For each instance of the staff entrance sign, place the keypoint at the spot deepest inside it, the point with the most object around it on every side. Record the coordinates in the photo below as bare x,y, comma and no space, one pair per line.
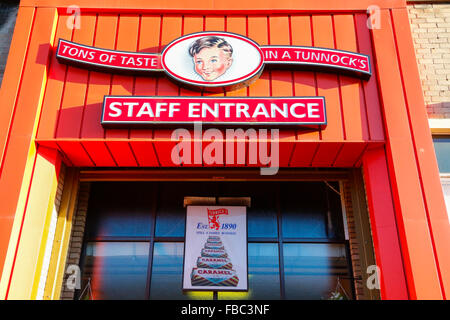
125,110
215,250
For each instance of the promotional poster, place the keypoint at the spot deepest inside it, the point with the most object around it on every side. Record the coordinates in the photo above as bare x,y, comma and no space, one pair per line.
215,255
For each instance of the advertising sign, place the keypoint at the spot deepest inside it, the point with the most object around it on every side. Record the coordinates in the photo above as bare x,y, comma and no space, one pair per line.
215,250
133,110
213,59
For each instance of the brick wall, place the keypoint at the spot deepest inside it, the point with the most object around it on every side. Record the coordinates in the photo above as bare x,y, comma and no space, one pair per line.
76,238
8,13
430,26
60,188
353,243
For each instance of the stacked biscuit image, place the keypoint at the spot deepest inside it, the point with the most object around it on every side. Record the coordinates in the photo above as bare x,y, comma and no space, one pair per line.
214,268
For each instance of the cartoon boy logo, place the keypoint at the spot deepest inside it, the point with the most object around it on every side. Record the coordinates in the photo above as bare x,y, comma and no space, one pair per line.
212,57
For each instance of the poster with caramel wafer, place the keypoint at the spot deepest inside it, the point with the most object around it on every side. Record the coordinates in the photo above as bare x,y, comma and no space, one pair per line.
215,252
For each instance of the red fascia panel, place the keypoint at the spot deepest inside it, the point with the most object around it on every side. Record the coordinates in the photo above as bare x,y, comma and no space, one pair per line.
99,153
223,7
349,152
144,151
326,154
416,241
122,152
424,150
384,227
158,152
303,153
75,152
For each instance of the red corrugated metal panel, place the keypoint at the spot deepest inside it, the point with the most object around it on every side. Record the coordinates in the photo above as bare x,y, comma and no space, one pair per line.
127,40
99,82
369,87
13,72
72,106
55,86
384,227
75,84
424,151
352,102
416,240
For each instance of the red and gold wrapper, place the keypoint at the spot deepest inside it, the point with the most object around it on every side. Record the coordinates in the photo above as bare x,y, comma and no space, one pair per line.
217,245
214,263
213,239
214,253
214,277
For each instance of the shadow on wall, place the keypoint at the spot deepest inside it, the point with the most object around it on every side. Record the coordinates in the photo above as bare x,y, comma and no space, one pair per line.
439,110
8,14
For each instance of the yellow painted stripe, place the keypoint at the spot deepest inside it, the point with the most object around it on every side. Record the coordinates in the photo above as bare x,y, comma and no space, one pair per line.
34,230
62,236
45,235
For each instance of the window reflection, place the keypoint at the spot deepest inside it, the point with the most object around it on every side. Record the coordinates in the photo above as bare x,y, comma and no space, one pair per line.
119,209
170,214
167,272
117,270
262,217
312,271
263,274
442,148
303,210
310,210
262,214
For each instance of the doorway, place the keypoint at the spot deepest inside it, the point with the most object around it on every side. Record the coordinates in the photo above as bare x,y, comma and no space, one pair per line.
134,240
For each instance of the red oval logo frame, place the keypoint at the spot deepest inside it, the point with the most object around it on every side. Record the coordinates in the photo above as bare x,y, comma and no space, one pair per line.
212,84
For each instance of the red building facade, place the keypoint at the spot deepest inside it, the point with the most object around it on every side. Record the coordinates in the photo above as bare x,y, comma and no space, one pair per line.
377,136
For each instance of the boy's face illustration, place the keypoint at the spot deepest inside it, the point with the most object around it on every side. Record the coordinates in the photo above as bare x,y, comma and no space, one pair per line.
211,63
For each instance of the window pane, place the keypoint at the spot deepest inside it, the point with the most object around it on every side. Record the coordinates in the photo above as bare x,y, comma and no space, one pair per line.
303,208
311,210
312,270
442,148
170,221
117,270
446,188
167,274
119,209
335,223
170,214
262,221
262,214
263,274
